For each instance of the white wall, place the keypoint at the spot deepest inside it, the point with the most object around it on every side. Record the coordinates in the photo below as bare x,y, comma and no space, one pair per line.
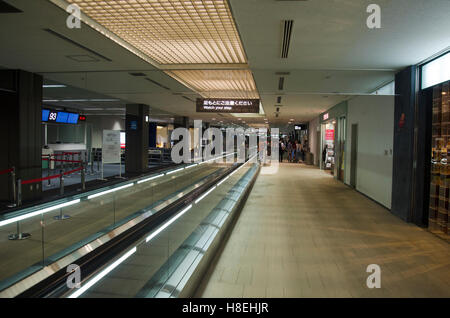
313,126
100,123
375,118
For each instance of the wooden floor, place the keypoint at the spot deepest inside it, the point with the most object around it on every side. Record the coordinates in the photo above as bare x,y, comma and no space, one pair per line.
304,234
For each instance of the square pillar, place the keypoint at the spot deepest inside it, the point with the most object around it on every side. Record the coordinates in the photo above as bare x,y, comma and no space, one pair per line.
20,129
137,137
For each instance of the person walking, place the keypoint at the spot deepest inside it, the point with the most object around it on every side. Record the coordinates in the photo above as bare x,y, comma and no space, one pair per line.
289,150
281,148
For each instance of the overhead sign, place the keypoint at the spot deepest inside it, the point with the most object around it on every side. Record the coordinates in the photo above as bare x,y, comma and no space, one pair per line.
111,146
59,117
326,116
223,105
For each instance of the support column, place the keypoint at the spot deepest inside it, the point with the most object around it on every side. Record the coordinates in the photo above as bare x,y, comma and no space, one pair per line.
20,128
412,148
137,137
152,134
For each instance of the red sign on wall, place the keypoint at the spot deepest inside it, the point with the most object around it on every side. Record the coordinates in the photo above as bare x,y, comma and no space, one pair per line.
329,134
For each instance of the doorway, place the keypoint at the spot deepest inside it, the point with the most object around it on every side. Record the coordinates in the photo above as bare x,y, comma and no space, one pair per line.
354,155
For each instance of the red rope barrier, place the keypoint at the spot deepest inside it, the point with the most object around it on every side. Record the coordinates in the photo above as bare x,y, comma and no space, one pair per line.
72,153
60,160
51,177
6,171
41,179
72,171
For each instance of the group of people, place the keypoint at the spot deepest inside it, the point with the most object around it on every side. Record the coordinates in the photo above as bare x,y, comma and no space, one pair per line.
294,149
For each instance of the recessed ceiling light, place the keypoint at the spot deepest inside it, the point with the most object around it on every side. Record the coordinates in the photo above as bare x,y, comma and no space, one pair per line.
218,83
105,100
54,86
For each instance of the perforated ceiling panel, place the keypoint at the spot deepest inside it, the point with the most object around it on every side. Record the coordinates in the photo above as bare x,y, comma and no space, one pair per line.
219,83
172,31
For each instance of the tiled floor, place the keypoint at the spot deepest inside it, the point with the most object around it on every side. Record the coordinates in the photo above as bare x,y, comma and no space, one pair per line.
304,234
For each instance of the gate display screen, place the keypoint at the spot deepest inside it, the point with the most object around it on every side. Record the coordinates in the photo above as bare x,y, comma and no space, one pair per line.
45,114
72,118
60,117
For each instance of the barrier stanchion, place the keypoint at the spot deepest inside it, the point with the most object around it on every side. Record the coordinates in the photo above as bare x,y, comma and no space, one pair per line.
67,164
85,162
19,235
92,162
61,182
49,183
83,179
61,216
19,192
13,187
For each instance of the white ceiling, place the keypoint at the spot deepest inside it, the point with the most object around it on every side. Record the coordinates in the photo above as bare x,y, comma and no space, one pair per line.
333,55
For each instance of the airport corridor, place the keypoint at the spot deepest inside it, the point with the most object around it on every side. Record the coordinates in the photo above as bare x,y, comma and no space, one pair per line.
302,233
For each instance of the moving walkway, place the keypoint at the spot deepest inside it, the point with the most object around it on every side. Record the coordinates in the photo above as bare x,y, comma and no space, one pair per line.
161,217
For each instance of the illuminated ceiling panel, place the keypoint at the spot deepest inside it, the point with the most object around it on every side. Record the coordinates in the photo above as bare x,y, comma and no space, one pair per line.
218,83
172,31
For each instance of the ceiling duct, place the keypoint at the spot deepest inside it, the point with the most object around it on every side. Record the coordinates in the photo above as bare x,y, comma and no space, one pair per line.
185,97
286,41
157,84
64,38
7,8
281,83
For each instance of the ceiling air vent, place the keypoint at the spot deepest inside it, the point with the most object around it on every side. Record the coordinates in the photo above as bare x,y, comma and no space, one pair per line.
279,100
137,74
7,8
281,83
157,84
185,97
287,33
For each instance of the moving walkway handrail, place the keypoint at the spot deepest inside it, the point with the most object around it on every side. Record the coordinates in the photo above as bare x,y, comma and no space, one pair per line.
90,263
25,213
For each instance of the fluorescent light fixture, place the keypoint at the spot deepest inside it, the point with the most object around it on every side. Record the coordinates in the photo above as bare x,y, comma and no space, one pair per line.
148,179
204,195
436,72
103,273
191,166
223,181
50,100
109,191
104,100
53,86
165,225
75,100
41,211
173,171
